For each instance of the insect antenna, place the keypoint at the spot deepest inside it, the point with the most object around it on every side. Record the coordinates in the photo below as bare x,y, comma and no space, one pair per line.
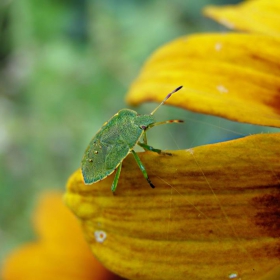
164,100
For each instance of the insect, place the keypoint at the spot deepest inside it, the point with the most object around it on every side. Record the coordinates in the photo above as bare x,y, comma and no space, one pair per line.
115,140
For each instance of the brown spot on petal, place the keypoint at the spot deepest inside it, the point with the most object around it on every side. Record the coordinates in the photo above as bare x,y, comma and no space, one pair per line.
268,214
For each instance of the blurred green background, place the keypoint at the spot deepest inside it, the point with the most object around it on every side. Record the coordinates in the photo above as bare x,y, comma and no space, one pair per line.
65,69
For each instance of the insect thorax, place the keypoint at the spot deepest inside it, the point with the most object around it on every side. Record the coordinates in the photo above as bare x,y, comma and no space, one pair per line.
144,120
131,125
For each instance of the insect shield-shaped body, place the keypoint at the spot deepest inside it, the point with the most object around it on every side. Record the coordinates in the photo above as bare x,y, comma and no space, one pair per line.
115,140
112,144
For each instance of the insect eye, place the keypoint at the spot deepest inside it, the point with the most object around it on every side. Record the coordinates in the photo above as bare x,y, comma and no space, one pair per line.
143,127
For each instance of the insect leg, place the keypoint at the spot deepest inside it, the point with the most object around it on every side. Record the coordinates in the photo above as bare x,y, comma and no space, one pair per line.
145,137
145,128
142,168
116,179
164,122
152,149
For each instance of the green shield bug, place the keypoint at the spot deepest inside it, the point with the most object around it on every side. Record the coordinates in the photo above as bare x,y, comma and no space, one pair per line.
115,140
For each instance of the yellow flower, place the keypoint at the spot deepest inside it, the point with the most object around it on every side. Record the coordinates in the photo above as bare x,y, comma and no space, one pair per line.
214,213
60,253
260,16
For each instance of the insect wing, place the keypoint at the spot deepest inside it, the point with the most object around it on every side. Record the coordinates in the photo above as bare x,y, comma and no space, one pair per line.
105,152
93,167
114,157
116,146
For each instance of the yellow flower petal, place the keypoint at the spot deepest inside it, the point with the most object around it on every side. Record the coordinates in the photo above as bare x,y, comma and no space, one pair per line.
261,16
214,213
61,252
274,274
236,76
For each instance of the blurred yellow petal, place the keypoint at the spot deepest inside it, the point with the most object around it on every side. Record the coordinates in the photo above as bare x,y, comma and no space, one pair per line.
260,16
274,274
236,76
214,213
61,252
